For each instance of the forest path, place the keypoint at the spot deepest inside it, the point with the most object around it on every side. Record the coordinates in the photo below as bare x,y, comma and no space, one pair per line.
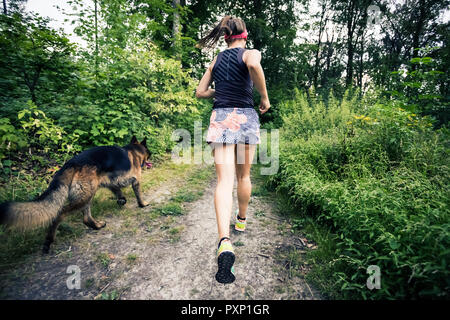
147,256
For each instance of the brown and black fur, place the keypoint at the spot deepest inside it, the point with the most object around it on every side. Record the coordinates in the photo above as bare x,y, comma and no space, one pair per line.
73,187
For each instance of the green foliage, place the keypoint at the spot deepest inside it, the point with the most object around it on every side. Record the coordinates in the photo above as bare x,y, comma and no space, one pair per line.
170,209
104,259
40,130
113,295
128,87
35,61
134,97
11,138
420,89
316,116
377,176
35,131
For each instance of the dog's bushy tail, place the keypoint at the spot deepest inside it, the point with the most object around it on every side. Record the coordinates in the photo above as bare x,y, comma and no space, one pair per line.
40,212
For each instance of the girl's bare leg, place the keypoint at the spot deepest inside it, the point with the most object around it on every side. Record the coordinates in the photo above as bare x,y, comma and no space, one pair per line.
244,159
223,196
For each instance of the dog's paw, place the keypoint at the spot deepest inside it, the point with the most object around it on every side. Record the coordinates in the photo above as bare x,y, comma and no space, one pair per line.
143,204
100,224
121,201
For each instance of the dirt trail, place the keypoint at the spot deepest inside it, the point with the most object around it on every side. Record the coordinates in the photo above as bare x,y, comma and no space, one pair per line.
169,258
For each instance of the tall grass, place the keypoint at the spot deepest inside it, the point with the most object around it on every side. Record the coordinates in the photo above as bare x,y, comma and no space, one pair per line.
377,177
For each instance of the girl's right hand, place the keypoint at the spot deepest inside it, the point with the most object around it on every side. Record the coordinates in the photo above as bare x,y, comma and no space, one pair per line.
264,105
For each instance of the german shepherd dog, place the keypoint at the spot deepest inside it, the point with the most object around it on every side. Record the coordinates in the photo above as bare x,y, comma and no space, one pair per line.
73,187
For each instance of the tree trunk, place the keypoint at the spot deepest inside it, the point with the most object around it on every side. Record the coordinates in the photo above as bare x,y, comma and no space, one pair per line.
258,11
31,84
351,23
96,38
361,66
350,52
418,31
322,25
349,77
176,30
5,11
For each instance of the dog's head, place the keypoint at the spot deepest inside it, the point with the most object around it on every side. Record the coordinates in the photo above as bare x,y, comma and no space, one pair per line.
142,148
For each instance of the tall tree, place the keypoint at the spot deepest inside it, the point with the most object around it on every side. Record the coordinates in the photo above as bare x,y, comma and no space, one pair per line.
272,26
353,15
14,6
321,25
96,36
176,32
405,27
30,51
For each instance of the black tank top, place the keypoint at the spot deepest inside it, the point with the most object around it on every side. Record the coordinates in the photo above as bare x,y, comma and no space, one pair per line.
233,85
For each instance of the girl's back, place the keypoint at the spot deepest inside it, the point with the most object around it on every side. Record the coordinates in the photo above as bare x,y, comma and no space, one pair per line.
232,80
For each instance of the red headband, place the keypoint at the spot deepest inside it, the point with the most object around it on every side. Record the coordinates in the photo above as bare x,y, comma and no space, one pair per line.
243,35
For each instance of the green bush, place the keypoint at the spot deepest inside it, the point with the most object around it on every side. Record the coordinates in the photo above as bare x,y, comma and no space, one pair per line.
34,131
141,92
420,87
11,139
377,177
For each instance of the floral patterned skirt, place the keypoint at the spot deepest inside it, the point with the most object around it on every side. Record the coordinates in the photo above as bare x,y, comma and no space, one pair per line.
234,125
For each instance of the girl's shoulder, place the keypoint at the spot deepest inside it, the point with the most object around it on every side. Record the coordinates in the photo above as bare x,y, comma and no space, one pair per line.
211,66
250,53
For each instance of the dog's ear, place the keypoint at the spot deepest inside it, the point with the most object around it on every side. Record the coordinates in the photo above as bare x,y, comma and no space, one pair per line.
144,142
134,140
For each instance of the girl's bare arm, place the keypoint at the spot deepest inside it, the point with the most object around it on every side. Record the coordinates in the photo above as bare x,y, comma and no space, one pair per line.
252,59
203,89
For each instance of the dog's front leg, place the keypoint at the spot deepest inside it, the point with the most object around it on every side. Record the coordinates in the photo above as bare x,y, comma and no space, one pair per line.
137,191
121,200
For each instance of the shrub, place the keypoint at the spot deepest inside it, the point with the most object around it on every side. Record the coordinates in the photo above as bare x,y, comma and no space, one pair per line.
377,177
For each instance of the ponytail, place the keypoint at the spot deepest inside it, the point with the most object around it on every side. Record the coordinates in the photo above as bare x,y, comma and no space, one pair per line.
227,26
